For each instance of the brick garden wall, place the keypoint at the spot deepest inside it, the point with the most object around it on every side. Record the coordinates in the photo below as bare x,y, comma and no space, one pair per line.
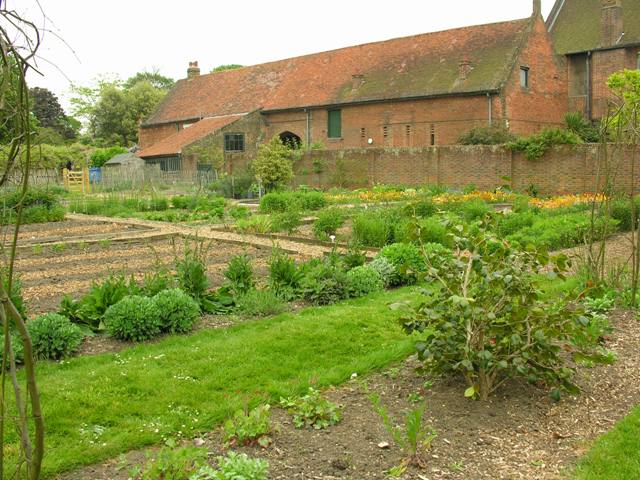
563,170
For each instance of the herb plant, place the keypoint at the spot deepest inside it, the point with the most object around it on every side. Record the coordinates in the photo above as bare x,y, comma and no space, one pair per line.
249,427
312,410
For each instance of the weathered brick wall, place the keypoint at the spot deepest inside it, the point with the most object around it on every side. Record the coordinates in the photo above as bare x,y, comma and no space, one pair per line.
544,103
604,64
565,169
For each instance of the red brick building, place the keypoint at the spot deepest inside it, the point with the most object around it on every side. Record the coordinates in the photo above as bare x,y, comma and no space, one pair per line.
598,38
407,92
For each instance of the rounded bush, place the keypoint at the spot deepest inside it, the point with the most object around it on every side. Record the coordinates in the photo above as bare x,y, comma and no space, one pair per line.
178,311
133,319
324,284
18,348
407,260
385,269
54,337
363,280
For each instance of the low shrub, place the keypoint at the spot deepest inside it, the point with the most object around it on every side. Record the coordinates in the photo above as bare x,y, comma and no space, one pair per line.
54,337
622,212
239,274
488,319
156,280
535,146
354,257
249,427
275,202
328,223
486,136
39,206
312,410
363,280
261,303
312,200
512,222
407,261
133,319
16,345
324,283
385,269
175,463
278,202
423,208
178,311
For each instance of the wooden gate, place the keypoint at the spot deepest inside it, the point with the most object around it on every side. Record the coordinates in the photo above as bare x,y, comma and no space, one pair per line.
77,180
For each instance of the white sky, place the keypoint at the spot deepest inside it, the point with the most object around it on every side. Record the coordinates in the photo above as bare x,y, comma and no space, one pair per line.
126,36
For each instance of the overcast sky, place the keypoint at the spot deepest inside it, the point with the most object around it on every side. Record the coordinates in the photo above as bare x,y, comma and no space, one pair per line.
123,37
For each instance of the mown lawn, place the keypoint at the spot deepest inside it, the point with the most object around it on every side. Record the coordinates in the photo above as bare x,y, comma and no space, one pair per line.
615,455
98,407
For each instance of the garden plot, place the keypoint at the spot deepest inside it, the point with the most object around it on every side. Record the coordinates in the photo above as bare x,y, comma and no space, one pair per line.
49,272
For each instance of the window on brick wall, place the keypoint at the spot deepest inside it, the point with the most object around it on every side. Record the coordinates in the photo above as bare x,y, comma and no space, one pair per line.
524,77
234,142
334,127
578,84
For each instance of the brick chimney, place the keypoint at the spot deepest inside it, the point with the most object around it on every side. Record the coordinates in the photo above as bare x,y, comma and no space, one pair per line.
537,8
464,68
612,27
193,70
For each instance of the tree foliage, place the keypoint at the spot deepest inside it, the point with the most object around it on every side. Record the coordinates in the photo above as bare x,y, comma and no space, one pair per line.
623,125
273,166
112,109
50,114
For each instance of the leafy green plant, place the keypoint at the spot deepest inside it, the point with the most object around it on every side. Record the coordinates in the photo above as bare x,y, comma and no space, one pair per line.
89,310
328,223
239,274
178,311
385,269
174,463
235,467
59,247
354,257
372,230
16,295
287,221
487,319
133,319
156,280
284,275
325,283
219,302
413,437
191,270
407,261
576,123
363,280
312,410
256,224
261,303
239,212
249,427
54,337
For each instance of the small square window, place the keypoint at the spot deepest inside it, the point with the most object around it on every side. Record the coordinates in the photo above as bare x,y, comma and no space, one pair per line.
234,142
524,77
334,127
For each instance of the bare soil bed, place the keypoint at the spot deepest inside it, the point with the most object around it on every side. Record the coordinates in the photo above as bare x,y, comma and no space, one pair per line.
47,272
520,434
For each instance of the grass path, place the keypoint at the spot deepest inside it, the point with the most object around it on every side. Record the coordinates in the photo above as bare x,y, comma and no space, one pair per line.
98,407
616,454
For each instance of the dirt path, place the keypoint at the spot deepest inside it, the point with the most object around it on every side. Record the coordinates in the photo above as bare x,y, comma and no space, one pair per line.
209,233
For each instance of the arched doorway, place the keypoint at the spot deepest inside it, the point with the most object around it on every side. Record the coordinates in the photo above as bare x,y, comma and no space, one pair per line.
291,140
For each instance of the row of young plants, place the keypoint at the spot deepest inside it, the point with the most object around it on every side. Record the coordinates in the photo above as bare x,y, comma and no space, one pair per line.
181,208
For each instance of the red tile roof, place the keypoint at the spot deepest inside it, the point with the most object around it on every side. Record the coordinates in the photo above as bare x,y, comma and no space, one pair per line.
173,145
417,66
